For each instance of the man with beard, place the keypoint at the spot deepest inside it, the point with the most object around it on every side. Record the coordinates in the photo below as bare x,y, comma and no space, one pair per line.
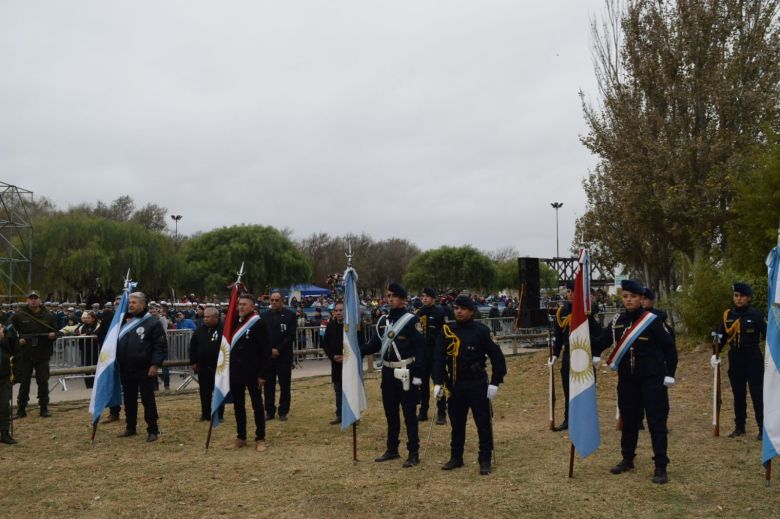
204,351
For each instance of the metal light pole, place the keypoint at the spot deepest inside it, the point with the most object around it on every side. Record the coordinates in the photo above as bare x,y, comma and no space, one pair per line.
176,218
556,206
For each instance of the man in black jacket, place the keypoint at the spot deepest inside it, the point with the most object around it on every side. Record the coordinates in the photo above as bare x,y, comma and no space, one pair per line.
333,344
742,329
8,348
249,369
282,325
204,351
401,345
459,365
431,320
141,349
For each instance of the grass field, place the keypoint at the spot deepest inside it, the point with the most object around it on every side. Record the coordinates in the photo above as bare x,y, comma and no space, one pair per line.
308,469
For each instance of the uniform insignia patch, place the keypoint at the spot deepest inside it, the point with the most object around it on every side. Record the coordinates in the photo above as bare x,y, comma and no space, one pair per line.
419,326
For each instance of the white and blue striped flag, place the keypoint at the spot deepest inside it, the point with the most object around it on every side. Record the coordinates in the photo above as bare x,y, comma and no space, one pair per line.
771,445
583,408
353,394
106,390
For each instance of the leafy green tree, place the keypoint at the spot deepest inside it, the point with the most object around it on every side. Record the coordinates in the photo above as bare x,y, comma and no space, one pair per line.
452,268
208,262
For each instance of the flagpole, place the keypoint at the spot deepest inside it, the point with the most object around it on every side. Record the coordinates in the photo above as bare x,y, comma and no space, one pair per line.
348,254
94,431
571,461
239,275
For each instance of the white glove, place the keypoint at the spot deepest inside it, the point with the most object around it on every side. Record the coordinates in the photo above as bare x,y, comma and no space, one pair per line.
492,392
551,361
668,381
714,361
417,381
437,392
596,361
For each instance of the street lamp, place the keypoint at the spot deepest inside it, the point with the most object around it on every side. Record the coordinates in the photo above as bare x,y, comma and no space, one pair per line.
176,218
556,206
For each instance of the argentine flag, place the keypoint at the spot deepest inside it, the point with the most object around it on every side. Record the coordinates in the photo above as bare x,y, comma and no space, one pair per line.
771,446
583,410
107,391
353,394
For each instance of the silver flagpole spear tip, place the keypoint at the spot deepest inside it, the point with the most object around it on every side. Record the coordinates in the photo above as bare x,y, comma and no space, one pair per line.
349,254
240,273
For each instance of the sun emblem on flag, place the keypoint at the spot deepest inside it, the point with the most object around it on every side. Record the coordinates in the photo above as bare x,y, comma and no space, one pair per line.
580,361
224,358
103,358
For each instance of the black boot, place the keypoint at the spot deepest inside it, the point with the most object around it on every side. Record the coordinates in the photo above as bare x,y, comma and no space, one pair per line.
6,438
20,413
660,476
45,412
564,426
412,460
454,463
484,467
388,455
624,466
423,416
739,431
126,433
441,419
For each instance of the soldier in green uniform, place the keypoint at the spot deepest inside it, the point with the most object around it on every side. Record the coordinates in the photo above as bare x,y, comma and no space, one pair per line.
36,329
8,348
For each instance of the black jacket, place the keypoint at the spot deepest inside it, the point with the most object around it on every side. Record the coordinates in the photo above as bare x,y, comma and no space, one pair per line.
333,341
8,348
145,346
562,329
281,330
409,341
34,328
431,321
474,345
250,357
752,327
204,346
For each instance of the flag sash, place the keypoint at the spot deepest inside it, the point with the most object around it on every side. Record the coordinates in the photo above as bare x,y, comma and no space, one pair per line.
628,338
243,329
132,324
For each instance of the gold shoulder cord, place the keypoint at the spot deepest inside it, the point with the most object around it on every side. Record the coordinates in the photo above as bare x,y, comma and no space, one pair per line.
453,350
732,332
562,324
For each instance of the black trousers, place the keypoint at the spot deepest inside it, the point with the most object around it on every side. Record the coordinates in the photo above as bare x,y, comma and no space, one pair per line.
238,392
23,367
470,394
134,382
393,397
746,368
425,396
206,390
643,391
5,404
565,365
335,378
281,370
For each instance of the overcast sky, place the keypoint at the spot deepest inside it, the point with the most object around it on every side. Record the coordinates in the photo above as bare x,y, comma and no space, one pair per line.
443,122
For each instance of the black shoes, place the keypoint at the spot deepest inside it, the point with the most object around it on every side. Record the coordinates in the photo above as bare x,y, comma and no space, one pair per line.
563,427
454,463
282,417
335,421
737,432
269,417
45,412
624,466
660,476
412,460
441,419
758,436
111,418
20,413
422,417
6,438
152,437
126,433
387,456
484,467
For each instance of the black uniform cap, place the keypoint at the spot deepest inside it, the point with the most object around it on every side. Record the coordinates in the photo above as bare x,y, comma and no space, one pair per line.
633,286
465,302
649,294
397,290
744,289
569,285
430,292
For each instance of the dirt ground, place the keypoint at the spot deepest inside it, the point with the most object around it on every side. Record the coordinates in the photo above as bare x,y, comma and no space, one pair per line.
308,469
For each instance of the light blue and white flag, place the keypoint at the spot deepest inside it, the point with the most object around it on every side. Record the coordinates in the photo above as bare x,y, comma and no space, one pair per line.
353,394
583,409
106,390
771,446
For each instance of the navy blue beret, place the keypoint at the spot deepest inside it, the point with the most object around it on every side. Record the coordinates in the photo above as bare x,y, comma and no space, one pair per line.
649,294
430,292
633,286
744,289
397,290
465,302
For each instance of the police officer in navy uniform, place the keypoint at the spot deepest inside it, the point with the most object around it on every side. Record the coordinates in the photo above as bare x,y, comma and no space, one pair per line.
645,372
140,353
742,329
460,365
431,320
648,302
561,346
282,325
401,343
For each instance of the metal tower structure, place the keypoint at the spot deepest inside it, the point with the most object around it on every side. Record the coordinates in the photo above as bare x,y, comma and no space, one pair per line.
16,236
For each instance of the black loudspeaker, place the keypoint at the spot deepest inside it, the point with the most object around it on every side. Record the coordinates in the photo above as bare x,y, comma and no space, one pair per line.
531,314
